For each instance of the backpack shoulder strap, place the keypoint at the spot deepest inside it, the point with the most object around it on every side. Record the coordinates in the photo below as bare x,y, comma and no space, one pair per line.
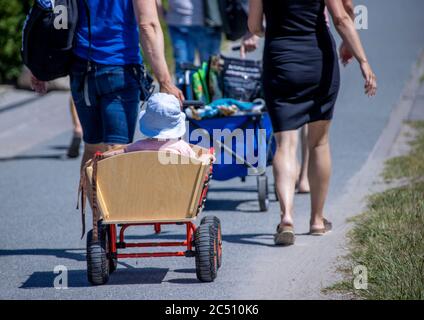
88,13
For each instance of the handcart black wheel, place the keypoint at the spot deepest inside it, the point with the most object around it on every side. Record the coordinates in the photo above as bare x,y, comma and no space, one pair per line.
206,253
98,264
113,260
263,192
216,223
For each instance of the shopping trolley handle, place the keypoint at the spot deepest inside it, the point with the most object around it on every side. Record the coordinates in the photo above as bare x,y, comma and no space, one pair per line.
187,66
193,103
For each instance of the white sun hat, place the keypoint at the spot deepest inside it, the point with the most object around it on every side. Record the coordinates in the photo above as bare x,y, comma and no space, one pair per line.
162,118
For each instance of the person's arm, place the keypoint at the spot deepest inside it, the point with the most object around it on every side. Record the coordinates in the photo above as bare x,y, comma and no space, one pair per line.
153,44
350,8
346,28
256,18
345,53
249,41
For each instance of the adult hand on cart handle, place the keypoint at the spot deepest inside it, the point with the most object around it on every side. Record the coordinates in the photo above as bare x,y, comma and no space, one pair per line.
170,88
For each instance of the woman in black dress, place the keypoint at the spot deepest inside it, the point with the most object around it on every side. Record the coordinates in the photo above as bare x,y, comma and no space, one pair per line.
301,83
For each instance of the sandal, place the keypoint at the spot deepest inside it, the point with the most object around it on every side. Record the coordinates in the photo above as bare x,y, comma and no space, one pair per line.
328,226
284,236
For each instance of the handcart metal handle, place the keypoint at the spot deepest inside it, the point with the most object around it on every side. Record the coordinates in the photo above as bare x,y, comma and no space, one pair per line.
193,103
188,66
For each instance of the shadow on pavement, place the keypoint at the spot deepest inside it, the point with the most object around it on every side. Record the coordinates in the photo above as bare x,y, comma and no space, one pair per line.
252,239
60,156
235,189
192,280
78,278
256,239
73,254
62,147
185,270
232,205
21,103
185,281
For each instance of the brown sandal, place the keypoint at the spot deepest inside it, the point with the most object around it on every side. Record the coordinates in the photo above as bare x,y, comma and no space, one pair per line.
284,236
328,226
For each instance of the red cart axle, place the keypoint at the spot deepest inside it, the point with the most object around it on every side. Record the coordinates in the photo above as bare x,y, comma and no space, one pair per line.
114,245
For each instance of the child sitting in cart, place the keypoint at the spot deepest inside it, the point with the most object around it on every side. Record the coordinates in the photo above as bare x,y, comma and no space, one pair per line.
163,125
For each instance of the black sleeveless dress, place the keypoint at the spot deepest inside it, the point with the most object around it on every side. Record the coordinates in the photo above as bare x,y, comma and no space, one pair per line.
301,76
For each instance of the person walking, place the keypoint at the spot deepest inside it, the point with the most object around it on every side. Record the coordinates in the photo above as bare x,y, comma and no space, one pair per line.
250,43
301,82
74,147
107,76
189,34
345,57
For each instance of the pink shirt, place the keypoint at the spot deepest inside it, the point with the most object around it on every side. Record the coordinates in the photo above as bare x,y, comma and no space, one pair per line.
175,146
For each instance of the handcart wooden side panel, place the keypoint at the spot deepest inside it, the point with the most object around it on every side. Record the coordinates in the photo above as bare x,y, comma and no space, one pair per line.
143,187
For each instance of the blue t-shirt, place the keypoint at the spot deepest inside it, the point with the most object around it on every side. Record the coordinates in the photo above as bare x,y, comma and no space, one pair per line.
115,35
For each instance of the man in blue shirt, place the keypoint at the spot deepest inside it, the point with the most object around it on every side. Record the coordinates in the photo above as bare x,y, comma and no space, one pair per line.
107,76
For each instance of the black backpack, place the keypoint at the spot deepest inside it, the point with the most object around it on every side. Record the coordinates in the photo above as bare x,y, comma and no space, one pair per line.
234,18
46,49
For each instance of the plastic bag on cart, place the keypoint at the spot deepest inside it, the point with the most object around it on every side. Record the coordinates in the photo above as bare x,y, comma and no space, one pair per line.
224,77
241,79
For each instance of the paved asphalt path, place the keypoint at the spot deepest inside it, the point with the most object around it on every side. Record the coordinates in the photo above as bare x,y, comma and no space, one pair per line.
40,228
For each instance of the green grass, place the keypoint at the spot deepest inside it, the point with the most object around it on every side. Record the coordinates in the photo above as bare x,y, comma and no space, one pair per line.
389,237
412,165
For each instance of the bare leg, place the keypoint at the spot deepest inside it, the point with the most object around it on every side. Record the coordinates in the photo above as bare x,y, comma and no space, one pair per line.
75,120
285,173
303,184
74,147
319,169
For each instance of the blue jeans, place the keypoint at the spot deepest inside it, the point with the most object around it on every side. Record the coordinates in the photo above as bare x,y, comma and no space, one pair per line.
107,100
186,40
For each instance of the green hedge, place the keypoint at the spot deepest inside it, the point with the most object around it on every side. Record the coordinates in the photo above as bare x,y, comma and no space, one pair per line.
12,16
